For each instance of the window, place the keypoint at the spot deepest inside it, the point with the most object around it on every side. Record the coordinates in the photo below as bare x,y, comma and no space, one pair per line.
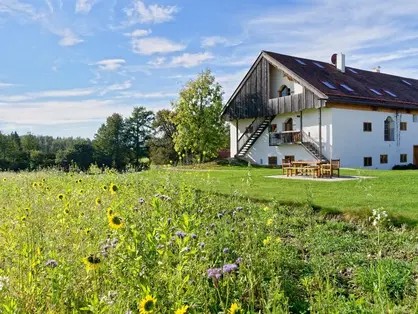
367,126
284,91
272,160
390,93
389,130
404,126
300,61
367,161
288,125
347,87
318,65
289,158
383,159
328,84
404,158
375,91
273,128
406,82
415,118
352,70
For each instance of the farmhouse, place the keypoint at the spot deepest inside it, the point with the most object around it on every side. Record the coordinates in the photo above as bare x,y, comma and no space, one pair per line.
293,108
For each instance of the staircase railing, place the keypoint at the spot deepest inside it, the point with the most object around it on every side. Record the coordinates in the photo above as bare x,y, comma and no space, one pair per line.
247,135
315,144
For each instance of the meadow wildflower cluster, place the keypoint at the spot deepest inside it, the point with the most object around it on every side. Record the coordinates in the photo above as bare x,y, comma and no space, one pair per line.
152,243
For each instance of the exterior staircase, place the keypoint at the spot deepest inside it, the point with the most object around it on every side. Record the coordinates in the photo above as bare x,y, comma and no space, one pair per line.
312,147
247,140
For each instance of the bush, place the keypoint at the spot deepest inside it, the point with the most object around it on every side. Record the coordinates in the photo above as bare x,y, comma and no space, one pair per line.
405,167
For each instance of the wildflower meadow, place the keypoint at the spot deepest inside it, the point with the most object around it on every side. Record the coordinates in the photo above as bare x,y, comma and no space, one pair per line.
153,243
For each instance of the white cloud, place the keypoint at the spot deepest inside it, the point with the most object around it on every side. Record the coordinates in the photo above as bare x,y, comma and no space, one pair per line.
189,60
230,81
15,7
15,98
50,6
151,14
139,33
213,41
152,45
157,61
116,87
68,38
110,64
5,85
58,93
84,6
140,95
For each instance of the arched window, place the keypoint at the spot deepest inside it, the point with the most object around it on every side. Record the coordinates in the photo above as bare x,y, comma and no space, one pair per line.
389,129
288,125
284,91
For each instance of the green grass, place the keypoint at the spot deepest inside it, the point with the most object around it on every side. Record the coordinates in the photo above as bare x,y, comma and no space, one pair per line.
395,191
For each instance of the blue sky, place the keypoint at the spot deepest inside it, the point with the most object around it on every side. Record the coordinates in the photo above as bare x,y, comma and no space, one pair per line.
65,65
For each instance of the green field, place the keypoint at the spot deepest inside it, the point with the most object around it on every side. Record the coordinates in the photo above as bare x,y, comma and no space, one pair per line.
224,240
395,191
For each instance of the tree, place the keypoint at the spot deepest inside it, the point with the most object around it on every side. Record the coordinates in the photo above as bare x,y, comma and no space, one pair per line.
161,145
29,142
199,127
138,129
109,143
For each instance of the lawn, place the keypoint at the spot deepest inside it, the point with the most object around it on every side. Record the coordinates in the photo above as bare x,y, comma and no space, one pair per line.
188,242
395,191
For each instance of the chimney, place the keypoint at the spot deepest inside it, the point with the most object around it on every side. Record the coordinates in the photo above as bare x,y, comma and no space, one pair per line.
376,69
341,62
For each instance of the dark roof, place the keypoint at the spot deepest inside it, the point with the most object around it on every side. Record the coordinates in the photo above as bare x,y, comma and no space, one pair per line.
360,82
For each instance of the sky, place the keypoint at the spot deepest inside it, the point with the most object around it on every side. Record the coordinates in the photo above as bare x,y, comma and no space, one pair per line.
65,65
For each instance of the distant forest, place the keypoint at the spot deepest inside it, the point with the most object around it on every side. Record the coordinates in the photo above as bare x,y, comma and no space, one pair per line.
193,131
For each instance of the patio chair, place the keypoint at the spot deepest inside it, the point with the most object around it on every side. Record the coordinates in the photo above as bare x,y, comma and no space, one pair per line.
326,170
335,166
285,165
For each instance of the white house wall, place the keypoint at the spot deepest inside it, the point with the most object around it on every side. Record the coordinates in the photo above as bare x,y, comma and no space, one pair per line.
232,138
278,79
352,144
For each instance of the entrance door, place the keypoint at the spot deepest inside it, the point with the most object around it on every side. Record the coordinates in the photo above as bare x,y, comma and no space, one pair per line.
416,155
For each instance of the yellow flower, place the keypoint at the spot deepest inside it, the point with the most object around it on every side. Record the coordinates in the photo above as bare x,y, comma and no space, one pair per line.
266,241
109,212
34,184
235,309
60,197
182,310
92,262
266,209
113,188
269,222
147,304
98,201
278,240
104,188
4,179
115,222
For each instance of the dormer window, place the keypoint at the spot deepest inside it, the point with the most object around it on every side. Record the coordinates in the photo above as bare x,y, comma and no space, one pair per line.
300,62
284,91
346,87
328,84
390,93
375,91
406,82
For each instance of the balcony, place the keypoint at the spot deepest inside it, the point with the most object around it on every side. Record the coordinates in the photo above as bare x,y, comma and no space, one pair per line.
285,137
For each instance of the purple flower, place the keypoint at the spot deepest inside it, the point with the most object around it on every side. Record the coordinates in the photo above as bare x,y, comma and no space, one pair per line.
202,245
225,250
181,234
219,215
229,268
212,226
207,233
160,247
239,260
141,201
215,273
239,209
234,213
186,249
51,263
194,236
169,220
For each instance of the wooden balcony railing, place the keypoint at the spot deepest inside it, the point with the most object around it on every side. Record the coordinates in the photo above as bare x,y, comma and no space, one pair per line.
285,137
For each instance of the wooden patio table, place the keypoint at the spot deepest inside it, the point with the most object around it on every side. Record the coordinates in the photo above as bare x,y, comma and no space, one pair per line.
300,165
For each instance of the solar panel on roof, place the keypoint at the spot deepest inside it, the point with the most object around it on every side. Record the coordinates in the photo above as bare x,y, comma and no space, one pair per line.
300,61
318,65
375,91
328,84
407,83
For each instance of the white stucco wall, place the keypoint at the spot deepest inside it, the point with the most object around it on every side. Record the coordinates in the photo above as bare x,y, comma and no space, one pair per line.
277,80
232,138
352,144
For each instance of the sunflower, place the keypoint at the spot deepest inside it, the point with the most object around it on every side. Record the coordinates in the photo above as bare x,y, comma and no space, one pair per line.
109,212
4,179
235,309
66,211
115,222
81,191
182,310
92,262
60,197
104,188
113,188
147,304
35,184
98,201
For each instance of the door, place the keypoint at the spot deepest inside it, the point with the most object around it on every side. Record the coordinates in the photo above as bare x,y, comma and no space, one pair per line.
416,155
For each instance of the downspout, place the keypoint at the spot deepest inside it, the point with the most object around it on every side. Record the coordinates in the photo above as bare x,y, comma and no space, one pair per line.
320,133
236,152
301,126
